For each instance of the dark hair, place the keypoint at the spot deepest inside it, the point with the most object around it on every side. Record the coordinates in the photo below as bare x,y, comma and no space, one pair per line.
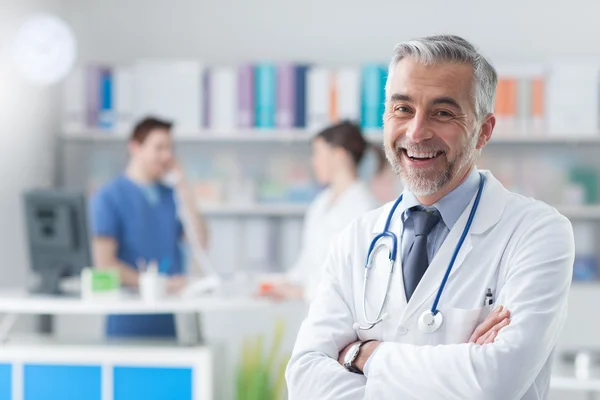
347,136
145,126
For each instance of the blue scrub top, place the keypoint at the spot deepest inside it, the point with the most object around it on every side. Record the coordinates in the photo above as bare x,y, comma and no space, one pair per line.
143,221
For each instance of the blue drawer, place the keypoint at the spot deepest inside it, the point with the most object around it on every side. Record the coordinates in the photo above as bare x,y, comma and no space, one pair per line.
64,382
5,382
152,383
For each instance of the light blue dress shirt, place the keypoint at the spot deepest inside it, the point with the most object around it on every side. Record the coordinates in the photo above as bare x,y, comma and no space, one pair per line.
450,208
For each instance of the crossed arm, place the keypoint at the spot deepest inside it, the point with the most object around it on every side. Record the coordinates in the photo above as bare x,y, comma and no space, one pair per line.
535,291
485,333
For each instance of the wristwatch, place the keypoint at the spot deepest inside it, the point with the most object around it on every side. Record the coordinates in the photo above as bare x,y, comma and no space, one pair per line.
351,355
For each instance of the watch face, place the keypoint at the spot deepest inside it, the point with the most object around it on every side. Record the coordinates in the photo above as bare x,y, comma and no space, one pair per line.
351,354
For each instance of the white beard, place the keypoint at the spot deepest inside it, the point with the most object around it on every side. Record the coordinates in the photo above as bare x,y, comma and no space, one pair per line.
419,180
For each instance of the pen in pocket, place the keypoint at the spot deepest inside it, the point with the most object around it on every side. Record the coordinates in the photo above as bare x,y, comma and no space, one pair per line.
489,298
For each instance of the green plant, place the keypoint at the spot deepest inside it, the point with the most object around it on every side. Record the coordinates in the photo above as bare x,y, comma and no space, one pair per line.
260,377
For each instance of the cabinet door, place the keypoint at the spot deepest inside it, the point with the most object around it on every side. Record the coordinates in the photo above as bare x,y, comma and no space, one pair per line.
5,382
64,382
153,383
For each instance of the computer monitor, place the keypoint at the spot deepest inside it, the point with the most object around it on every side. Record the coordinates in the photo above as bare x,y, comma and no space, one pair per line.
58,235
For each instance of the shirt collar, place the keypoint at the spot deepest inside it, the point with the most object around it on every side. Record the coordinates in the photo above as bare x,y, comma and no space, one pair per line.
450,206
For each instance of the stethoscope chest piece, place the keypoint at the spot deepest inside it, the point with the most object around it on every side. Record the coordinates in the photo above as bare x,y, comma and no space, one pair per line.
429,323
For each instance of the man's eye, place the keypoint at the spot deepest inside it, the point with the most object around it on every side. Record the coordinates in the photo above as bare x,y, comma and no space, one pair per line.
443,114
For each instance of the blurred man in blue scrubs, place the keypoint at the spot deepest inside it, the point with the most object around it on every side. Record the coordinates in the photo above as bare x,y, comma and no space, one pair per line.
136,222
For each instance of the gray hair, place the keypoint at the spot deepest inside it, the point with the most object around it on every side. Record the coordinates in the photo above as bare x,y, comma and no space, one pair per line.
449,48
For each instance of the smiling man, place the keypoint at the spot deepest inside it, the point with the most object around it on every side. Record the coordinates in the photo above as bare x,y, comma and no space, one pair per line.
468,251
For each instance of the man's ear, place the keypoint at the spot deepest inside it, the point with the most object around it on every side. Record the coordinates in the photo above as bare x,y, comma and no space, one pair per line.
485,132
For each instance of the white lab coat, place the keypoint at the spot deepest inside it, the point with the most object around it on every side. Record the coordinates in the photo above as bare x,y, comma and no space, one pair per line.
520,248
325,219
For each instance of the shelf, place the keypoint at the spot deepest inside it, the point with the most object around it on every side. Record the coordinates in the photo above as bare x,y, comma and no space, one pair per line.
262,210
545,140
298,210
210,136
304,136
504,139
580,212
241,136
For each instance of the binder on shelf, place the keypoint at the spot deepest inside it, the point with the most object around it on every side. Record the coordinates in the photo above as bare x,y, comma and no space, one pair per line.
106,112
518,106
74,102
506,106
206,94
538,122
266,95
123,99
318,98
300,100
373,96
348,94
286,96
246,96
572,102
524,117
223,93
334,116
93,94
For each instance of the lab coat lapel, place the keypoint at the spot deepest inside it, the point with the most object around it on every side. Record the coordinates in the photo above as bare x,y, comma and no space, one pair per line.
491,207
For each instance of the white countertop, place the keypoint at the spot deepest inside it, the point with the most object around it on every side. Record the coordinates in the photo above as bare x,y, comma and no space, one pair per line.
564,378
591,384
45,348
19,302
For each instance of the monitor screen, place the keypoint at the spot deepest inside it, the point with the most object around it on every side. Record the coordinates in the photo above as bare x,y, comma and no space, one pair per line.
58,235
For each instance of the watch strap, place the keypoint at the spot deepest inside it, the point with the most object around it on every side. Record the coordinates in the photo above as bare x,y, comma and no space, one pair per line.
352,367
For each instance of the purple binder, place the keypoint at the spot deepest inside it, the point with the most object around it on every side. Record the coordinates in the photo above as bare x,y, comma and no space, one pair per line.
286,97
206,99
92,95
246,96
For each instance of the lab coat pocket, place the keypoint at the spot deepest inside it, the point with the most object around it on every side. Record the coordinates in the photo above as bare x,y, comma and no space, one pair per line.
485,312
461,323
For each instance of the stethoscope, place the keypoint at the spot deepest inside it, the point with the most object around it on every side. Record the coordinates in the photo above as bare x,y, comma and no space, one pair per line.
431,320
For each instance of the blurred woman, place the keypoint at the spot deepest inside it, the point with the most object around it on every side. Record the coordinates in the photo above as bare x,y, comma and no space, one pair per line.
337,153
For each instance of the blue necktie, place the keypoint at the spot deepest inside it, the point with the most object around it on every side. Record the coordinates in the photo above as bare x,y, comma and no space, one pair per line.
417,261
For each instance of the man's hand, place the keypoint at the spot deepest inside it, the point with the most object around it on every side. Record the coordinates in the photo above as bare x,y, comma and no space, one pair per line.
363,355
488,330
176,174
484,334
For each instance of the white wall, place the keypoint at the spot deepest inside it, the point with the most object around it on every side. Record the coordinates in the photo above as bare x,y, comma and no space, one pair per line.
334,32
27,126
